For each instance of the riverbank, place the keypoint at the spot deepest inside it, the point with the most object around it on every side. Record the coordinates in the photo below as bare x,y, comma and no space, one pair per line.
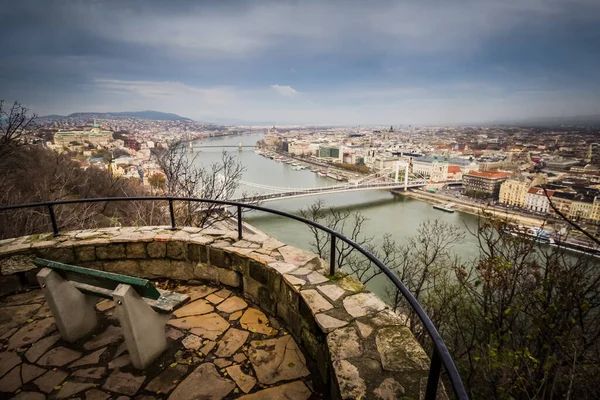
348,175
473,209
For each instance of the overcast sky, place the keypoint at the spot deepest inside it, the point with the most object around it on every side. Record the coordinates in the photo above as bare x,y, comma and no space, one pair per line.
341,62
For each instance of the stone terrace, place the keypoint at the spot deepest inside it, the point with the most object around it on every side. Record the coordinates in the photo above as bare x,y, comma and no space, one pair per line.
219,346
359,348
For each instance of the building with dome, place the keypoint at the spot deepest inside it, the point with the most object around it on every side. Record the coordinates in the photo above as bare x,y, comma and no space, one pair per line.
95,136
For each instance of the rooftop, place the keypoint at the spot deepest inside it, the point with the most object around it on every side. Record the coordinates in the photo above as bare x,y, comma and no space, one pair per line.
540,191
89,133
489,175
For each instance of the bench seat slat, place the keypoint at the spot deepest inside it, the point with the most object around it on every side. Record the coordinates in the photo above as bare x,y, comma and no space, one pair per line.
93,290
166,303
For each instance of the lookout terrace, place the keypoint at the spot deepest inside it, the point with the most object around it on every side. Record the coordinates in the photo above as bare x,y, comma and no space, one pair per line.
151,312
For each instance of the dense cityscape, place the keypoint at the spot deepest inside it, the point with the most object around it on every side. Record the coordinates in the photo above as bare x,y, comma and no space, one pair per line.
301,200
507,166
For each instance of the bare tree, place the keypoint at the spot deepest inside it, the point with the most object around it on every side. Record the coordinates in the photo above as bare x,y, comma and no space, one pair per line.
418,263
424,264
157,182
13,127
350,224
186,177
530,321
36,174
576,226
521,321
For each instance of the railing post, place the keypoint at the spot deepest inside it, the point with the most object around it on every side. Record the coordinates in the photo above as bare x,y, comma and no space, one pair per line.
172,214
239,218
332,256
434,376
53,219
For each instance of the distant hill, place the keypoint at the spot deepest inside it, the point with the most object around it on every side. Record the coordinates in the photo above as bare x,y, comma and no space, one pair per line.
53,116
150,115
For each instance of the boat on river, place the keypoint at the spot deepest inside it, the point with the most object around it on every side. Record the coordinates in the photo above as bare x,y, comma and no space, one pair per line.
538,235
577,246
446,207
542,236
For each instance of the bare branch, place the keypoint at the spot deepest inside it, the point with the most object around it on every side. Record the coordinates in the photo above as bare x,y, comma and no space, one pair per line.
568,220
13,126
186,177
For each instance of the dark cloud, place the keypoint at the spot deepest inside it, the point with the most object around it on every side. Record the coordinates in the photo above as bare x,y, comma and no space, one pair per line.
70,49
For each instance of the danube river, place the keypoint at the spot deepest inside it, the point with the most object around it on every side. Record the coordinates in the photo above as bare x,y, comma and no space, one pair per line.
386,213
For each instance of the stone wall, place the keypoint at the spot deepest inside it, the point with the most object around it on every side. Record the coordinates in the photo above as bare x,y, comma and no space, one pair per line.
361,347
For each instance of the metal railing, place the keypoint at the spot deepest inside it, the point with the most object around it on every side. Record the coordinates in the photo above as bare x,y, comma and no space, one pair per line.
440,355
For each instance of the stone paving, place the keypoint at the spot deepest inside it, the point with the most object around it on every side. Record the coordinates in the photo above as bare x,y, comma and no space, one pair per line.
220,346
360,347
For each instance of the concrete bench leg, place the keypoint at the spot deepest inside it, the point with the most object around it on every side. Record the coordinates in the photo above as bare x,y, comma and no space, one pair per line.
143,328
73,311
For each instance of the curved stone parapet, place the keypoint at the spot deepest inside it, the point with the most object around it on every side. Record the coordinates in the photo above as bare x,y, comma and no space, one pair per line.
362,348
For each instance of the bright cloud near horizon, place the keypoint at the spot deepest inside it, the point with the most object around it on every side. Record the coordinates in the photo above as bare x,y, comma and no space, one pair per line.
309,62
286,91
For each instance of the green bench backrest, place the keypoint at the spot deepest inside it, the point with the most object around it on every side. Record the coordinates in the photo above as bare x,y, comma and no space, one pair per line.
106,280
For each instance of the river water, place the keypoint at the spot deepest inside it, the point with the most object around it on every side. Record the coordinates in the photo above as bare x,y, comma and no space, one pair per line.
386,213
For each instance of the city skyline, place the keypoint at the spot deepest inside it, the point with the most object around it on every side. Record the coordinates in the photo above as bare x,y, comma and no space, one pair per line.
306,63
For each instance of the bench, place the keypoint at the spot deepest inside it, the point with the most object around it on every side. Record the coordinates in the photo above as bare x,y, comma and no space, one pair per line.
143,310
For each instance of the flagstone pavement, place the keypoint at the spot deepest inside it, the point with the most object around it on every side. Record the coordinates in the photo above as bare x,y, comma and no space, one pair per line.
220,346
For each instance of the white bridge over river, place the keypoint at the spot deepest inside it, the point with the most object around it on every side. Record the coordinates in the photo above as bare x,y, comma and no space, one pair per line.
397,177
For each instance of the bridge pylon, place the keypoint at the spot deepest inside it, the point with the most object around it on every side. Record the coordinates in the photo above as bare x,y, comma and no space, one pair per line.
397,173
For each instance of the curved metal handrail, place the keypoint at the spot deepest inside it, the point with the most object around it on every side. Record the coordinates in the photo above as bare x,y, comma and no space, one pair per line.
440,355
